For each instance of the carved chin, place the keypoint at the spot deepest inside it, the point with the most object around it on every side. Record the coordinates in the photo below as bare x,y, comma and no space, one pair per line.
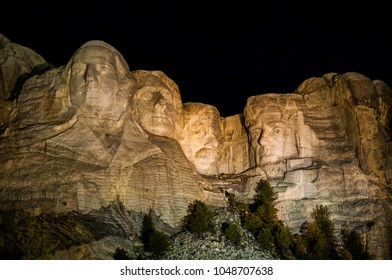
206,161
206,156
161,131
270,159
273,170
159,127
206,168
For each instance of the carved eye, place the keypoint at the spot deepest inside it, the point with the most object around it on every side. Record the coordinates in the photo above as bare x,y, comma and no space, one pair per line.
78,69
104,68
199,133
145,96
277,130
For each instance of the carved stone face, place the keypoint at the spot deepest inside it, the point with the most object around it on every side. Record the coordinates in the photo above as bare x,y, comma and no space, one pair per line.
277,132
156,106
156,113
200,136
94,82
272,141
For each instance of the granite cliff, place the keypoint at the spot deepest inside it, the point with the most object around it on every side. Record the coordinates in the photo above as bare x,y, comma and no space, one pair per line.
88,148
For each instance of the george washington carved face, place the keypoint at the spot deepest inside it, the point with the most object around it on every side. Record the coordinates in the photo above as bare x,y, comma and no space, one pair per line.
97,74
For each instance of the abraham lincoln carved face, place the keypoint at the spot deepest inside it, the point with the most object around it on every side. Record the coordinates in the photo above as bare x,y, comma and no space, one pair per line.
277,132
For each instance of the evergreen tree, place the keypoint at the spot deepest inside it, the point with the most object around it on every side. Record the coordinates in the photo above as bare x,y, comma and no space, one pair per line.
120,254
353,246
147,230
231,200
154,241
231,232
322,217
316,244
253,223
298,247
318,236
263,222
158,243
199,218
283,239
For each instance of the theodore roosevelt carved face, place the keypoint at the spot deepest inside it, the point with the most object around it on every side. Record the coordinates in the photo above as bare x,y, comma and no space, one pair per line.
200,137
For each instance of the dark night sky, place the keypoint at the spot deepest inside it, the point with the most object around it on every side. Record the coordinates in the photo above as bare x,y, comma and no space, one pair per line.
219,54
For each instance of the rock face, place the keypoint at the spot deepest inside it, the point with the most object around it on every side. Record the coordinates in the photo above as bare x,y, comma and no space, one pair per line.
94,140
17,63
328,143
81,149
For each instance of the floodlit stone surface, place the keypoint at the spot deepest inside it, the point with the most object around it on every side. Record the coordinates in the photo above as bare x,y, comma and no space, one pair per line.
95,133
201,137
16,64
156,105
80,148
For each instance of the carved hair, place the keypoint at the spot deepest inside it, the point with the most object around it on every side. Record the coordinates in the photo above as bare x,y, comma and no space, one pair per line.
121,65
274,107
190,109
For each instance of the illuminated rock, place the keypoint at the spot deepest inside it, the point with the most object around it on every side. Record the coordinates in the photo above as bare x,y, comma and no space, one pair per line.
101,142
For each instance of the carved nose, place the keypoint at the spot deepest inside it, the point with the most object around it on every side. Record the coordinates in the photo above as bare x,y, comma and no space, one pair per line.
91,73
212,143
159,101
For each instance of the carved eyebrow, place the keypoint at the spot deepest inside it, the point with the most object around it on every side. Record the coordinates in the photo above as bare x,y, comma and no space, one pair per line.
106,64
276,124
166,94
79,64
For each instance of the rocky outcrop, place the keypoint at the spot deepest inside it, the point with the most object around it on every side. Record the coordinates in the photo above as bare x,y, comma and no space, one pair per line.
17,64
82,155
215,246
93,140
334,152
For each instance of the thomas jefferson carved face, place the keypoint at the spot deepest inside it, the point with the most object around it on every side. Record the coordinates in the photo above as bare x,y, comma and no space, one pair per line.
157,105
200,136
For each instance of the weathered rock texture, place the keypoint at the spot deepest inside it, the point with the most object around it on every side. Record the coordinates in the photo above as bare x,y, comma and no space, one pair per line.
334,151
63,154
17,63
71,145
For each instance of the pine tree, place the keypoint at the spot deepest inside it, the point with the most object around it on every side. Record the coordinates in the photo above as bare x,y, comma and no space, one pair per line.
154,241
353,246
318,236
262,220
199,218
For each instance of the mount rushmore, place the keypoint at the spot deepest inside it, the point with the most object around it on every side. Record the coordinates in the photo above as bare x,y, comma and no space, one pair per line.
94,133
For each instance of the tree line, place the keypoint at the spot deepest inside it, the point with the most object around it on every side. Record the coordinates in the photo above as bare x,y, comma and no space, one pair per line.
316,239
